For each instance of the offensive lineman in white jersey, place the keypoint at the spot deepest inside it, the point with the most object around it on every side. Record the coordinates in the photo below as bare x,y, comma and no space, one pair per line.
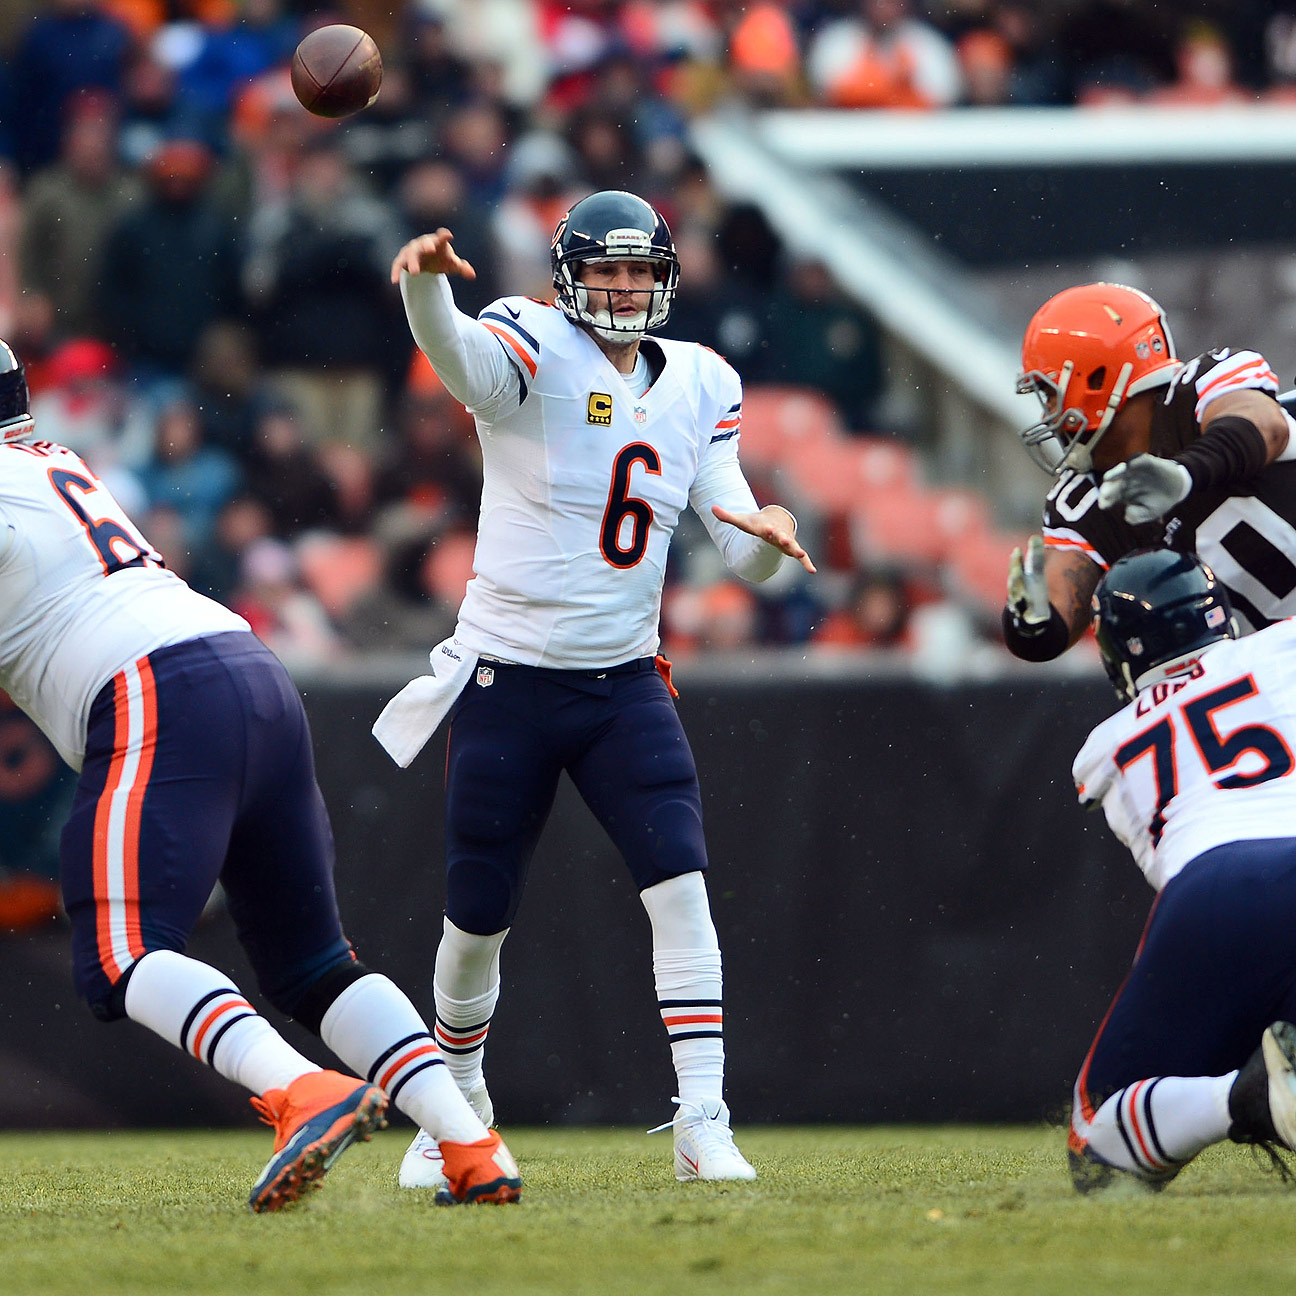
195,767
594,439
1195,776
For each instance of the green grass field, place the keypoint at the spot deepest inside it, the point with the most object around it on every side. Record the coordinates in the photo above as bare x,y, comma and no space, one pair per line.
876,1210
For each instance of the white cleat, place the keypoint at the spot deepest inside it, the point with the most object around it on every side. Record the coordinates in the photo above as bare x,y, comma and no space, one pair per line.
1279,1046
704,1144
423,1166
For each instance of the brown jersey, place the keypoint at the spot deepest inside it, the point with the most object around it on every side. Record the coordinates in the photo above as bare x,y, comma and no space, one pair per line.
1246,532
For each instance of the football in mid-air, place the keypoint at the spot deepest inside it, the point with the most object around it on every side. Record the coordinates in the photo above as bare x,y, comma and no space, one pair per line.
336,71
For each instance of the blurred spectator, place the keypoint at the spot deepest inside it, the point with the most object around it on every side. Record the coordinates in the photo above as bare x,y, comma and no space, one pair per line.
750,249
986,63
475,139
391,135
720,312
542,185
194,479
721,617
819,337
609,155
286,477
413,607
883,56
11,210
214,57
499,38
170,265
325,313
1115,52
69,208
72,46
876,614
433,468
149,113
214,570
283,614
764,57
431,194
229,388
1203,71
83,403
624,89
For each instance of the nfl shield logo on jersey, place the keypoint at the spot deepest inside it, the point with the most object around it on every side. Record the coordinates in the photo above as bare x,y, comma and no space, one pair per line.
485,676
640,414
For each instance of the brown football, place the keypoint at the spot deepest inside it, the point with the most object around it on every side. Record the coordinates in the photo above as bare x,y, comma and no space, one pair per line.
336,71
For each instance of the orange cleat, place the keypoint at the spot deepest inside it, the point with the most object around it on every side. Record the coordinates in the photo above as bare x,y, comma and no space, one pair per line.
479,1172
315,1120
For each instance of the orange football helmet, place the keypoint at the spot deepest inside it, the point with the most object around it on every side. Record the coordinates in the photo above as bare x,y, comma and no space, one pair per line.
1086,351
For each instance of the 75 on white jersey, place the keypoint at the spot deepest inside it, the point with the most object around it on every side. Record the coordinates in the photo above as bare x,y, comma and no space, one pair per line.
1188,751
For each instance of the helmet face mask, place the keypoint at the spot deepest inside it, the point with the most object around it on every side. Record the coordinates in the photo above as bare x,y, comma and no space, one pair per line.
1153,611
15,404
613,226
1086,351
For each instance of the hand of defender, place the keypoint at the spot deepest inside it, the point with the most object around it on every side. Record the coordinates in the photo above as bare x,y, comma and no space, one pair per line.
1146,486
774,525
431,254
1028,598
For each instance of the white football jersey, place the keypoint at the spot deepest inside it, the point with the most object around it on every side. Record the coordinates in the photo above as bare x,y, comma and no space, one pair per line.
583,487
1203,758
82,593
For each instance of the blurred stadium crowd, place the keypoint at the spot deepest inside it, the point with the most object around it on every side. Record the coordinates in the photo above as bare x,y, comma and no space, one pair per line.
195,272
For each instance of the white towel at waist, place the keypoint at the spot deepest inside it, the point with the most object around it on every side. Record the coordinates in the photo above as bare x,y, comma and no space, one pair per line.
413,715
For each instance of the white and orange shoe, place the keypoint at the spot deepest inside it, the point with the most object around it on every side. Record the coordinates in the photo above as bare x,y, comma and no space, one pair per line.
315,1120
479,1172
422,1165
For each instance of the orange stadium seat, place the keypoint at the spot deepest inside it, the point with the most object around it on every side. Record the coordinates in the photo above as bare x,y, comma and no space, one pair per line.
338,569
899,526
978,567
778,422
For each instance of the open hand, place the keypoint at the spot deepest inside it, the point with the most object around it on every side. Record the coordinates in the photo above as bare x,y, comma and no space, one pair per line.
774,525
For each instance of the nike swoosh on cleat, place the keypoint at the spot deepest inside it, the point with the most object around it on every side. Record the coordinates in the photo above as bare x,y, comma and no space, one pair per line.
688,1161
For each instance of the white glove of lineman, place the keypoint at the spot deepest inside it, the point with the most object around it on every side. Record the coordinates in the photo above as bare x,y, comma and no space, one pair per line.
1148,487
1028,598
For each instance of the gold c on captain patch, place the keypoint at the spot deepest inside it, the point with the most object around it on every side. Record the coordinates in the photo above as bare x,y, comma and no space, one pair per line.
599,409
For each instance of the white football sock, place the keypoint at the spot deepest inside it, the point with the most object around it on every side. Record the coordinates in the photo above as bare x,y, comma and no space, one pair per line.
375,1030
466,989
1157,1125
204,1013
689,980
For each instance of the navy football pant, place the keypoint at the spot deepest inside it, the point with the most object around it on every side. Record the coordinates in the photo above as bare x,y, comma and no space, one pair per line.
617,735
1216,965
199,769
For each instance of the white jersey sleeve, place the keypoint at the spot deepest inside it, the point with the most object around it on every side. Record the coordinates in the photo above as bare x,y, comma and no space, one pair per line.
82,592
1202,759
480,364
720,481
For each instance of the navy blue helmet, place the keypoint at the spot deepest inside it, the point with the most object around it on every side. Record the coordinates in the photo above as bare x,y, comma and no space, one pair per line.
613,225
1154,606
15,404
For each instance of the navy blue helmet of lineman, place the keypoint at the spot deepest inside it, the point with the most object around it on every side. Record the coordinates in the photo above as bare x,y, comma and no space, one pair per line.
613,225
15,405
1153,607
